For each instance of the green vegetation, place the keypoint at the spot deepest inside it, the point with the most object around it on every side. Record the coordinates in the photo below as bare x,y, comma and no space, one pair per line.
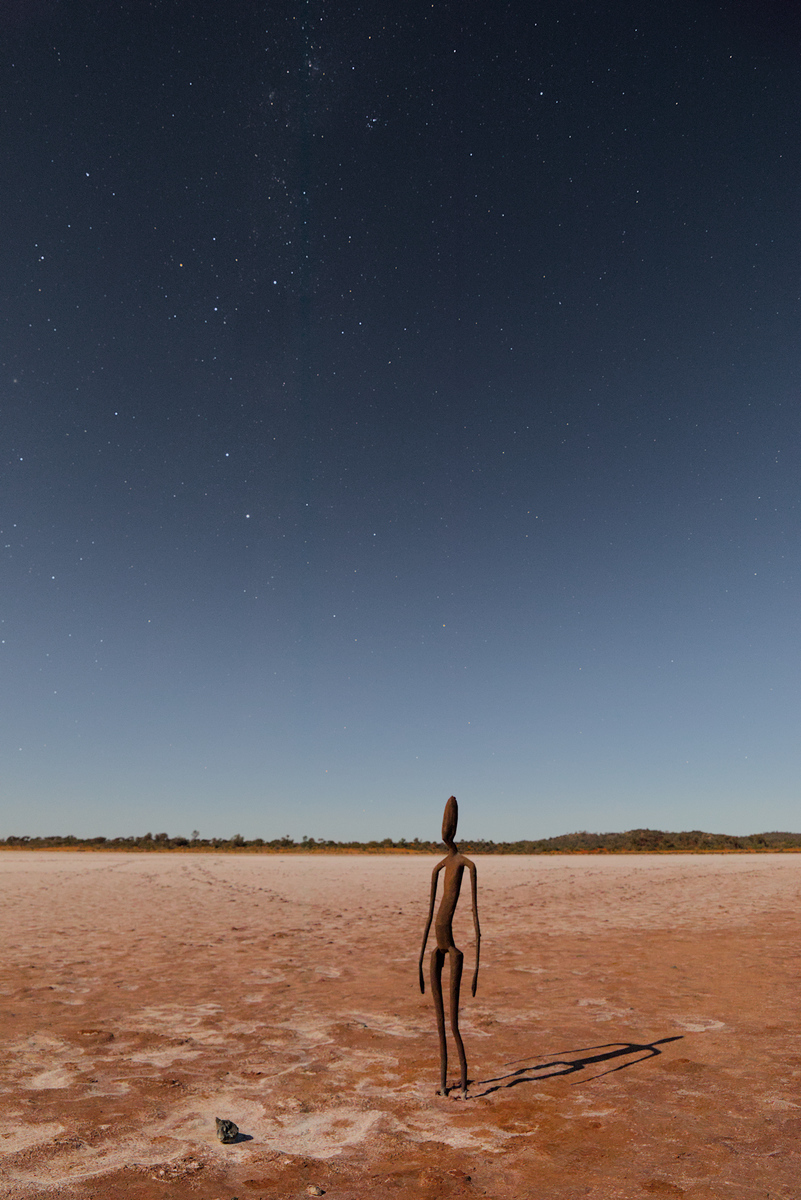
635,841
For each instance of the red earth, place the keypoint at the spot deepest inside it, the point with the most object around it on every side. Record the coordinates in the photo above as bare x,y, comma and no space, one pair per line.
635,1032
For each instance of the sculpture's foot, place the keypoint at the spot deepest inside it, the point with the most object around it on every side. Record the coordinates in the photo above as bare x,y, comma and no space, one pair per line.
441,1091
458,1094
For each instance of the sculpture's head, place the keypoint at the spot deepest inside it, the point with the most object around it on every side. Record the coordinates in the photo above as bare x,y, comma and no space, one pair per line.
449,821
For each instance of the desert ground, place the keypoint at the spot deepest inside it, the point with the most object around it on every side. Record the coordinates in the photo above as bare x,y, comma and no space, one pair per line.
635,1031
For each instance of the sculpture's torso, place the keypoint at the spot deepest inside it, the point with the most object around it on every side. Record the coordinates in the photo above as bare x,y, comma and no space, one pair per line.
443,926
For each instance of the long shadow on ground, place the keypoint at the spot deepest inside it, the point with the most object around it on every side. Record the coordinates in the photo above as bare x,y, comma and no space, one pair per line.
534,1072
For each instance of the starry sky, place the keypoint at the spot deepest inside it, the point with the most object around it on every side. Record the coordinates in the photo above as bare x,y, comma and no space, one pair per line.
399,400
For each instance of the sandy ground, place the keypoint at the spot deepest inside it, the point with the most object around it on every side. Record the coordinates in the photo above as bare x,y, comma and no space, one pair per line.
635,1032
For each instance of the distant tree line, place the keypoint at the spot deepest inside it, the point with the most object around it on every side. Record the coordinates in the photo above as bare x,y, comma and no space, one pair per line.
653,841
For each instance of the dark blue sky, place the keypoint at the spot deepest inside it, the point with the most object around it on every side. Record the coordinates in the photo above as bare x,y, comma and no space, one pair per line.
396,404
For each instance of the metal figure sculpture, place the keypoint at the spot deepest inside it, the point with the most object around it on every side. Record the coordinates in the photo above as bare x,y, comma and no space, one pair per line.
454,864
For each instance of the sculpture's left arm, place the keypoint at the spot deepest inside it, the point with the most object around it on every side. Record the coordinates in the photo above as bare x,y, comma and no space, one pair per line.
476,926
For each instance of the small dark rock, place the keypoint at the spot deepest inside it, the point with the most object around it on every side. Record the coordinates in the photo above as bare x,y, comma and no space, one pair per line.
227,1132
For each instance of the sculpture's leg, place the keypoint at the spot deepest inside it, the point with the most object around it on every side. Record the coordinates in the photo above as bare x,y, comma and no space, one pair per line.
457,961
437,959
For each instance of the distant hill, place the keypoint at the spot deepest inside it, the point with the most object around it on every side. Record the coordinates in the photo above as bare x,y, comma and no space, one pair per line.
634,841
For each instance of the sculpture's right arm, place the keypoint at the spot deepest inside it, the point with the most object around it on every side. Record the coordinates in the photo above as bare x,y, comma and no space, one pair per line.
436,872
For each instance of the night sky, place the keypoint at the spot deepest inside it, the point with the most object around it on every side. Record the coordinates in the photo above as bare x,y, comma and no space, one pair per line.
399,400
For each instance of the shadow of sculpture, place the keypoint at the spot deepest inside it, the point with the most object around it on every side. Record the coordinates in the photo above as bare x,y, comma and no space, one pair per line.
535,1072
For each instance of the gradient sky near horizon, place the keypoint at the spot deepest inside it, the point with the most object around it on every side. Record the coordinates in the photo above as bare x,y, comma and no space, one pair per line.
399,401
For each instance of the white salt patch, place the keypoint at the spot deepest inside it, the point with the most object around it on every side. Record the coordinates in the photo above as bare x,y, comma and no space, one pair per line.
57,1078
23,1136
433,1126
323,1135
163,1058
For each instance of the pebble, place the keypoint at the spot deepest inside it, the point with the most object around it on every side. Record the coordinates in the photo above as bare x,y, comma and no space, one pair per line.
314,1190
227,1132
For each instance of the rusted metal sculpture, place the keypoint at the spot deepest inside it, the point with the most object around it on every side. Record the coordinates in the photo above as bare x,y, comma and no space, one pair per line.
454,864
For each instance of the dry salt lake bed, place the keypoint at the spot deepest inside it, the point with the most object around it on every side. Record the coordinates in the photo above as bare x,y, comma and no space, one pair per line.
636,1031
